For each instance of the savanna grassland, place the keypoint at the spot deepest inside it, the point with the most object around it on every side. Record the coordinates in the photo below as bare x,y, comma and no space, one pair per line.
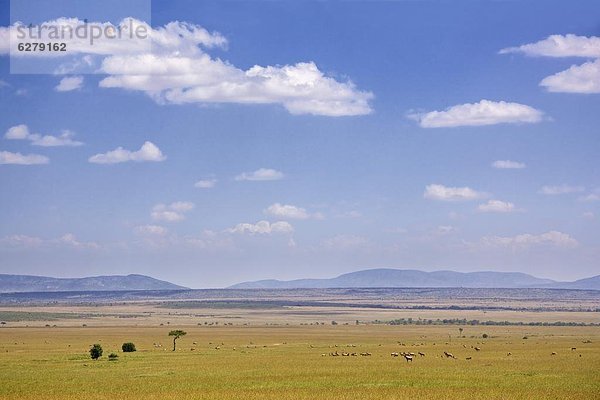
283,352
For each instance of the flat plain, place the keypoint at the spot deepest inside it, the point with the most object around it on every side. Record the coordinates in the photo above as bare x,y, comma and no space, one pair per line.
268,349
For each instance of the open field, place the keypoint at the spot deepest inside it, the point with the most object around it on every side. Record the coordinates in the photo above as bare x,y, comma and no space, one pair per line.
268,349
288,363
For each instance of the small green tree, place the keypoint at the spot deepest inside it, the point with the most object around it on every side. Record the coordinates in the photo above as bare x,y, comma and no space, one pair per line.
485,336
176,335
96,351
460,331
128,347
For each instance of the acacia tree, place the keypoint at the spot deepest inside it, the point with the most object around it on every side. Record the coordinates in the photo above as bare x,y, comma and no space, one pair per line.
176,335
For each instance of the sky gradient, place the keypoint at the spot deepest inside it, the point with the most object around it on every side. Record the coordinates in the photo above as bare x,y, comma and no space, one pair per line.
307,139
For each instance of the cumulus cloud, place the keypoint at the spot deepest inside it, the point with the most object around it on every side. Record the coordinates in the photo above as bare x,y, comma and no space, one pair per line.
148,152
6,157
69,83
344,242
444,193
262,227
262,174
151,230
569,45
485,112
507,164
584,78
70,240
173,212
552,238
206,183
173,66
287,211
561,189
497,206
21,132
67,240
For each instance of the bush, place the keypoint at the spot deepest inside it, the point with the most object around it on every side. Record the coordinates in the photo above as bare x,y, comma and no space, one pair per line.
128,347
485,336
112,357
96,351
333,323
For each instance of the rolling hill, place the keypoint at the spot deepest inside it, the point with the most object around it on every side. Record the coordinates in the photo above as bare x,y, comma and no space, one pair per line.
30,283
415,278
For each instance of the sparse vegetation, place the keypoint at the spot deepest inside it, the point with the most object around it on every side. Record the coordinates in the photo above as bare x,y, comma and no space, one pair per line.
128,347
96,351
113,357
176,335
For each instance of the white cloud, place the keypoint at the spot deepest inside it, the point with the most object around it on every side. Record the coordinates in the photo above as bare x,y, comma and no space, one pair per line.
590,197
69,83
262,174
262,227
345,242
151,230
569,45
444,230
206,183
444,193
174,67
70,240
561,189
497,206
287,211
173,212
21,241
583,78
588,215
6,157
148,152
67,240
485,112
507,164
526,240
21,132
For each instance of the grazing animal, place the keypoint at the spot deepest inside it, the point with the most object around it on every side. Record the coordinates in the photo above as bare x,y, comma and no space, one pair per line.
468,358
553,353
573,348
509,354
449,355
422,354
477,349
394,354
408,358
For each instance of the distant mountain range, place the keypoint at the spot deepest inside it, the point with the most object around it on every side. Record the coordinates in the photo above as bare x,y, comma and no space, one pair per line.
28,283
410,278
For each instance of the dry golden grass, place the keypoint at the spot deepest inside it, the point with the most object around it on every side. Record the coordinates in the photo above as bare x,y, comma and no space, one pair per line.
286,362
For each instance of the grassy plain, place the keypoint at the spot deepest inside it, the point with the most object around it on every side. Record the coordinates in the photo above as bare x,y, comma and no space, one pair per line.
292,361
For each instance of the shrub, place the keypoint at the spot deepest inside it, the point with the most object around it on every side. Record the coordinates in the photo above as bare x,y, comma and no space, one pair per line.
96,351
333,323
112,357
128,347
485,336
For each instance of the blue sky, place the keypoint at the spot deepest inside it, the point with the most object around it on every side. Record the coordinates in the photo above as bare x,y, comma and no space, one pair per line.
366,138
